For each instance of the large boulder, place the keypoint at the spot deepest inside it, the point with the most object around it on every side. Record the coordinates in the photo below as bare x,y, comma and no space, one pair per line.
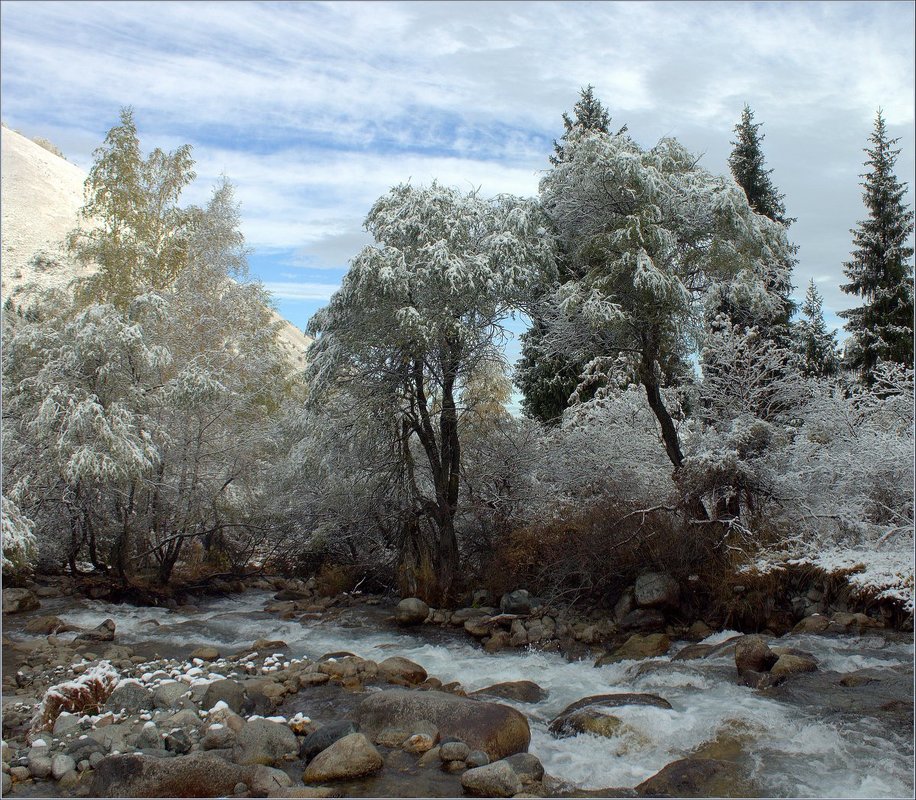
752,653
350,757
104,632
698,777
263,741
657,590
411,611
493,780
517,602
790,664
325,736
643,619
402,670
638,647
520,691
232,693
130,696
194,775
588,716
47,625
16,601
496,729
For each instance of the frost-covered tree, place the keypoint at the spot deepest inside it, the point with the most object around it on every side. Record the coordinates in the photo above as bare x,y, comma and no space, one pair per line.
650,235
18,542
417,315
816,345
880,270
547,381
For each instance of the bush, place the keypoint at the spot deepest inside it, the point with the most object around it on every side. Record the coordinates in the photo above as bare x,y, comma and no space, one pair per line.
84,695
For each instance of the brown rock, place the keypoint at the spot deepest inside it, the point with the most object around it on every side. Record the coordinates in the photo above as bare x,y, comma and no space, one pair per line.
520,691
350,757
638,646
399,667
753,653
788,664
698,777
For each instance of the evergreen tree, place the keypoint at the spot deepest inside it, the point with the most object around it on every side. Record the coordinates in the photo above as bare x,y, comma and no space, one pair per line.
879,270
546,380
815,344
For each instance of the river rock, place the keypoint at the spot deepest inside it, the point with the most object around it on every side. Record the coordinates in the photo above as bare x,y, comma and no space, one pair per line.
527,766
350,757
217,736
229,691
493,780
843,621
453,751
643,619
602,701
325,736
178,741
624,605
398,668
131,696
520,691
149,738
693,651
65,723
499,640
15,601
753,654
478,627
816,623
637,647
205,653
104,632
267,782
657,590
517,602
194,775
61,764
411,611
476,758
788,664
168,694
697,777
7,784
587,720
40,766
497,729
47,625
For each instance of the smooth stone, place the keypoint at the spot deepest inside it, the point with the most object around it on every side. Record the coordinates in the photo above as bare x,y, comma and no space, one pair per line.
527,766
411,611
492,780
477,758
698,777
453,751
520,691
657,590
350,757
325,736
60,764
401,668
752,653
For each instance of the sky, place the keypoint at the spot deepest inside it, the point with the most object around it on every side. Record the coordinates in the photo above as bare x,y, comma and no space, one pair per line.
314,110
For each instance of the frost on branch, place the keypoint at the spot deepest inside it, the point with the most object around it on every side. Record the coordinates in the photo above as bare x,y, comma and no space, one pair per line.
19,545
85,694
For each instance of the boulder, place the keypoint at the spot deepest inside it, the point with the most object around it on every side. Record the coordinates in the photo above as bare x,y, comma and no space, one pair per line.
263,741
402,669
693,651
47,625
643,619
624,605
476,758
816,623
350,757
589,715
517,602
520,691
527,766
411,611
789,664
325,736
15,601
205,653
499,640
194,775
178,741
698,777
149,738
496,729
638,647
752,653
104,632
493,780
478,627
131,696
266,782
657,590
614,701
453,751
168,694
230,692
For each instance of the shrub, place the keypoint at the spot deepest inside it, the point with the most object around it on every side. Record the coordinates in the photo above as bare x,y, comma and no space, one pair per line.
84,695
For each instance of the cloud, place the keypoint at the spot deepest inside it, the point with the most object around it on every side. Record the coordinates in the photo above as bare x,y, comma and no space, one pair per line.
294,290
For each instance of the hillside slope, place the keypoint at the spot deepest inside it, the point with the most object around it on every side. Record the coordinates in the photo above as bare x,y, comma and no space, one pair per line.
40,200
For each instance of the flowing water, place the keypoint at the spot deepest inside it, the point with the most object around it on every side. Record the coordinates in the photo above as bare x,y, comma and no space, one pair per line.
812,737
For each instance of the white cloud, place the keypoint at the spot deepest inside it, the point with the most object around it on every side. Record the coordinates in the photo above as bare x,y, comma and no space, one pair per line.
296,290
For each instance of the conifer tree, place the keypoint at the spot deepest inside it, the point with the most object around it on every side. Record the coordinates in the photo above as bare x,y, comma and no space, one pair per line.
816,345
880,271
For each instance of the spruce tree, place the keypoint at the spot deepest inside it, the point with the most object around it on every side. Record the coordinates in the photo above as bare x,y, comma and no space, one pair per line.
816,345
879,271
547,381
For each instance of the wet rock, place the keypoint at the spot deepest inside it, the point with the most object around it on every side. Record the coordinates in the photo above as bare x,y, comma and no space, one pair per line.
411,611
61,764
788,664
697,777
657,590
453,750
205,653
527,766
478,627
517,602
47,625
325,736
587,720
268,646
131,696
699,630
429,757
842,622
229,691
476,758
816,623
638,647
104,632
693,651
499,640
595,704
643,619
350,757
402,669
307,679
497,729
754,679
753,654
15,601
493,780
520,691
194,775
422,738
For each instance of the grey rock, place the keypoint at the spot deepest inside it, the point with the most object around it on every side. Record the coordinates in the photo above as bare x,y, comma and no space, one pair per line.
517,602
105,632
40,766
61,764
168,694
520,691
350,757
453,751
65,723
527,766
477,758
643,619
325,736
267,781
752,653
15,601
217,737
411,611
657,590
149,738
7,784
131,696
262,741
493,780
230,692
178,741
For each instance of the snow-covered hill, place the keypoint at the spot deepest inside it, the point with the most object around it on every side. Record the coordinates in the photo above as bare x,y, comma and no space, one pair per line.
40,201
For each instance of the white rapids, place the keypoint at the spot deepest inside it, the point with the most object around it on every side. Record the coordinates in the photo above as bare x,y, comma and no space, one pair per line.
795,751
